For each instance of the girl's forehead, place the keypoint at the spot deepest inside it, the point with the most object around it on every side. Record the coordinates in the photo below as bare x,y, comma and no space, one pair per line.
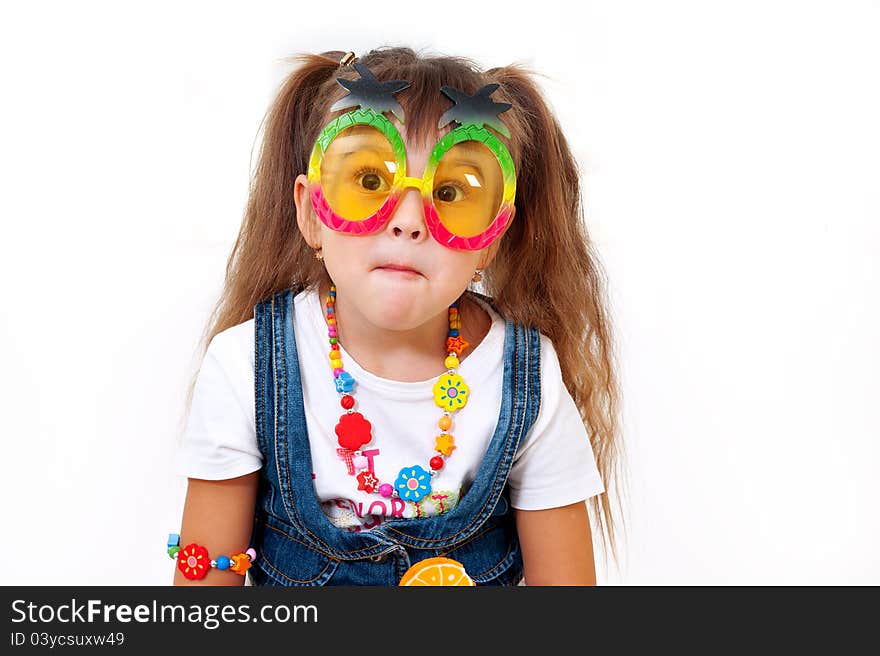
432,138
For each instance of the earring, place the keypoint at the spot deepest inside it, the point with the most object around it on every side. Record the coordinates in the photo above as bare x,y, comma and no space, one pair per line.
477,276
318,254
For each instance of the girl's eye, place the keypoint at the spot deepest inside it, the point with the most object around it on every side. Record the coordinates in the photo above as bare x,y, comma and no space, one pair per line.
449,193
369,180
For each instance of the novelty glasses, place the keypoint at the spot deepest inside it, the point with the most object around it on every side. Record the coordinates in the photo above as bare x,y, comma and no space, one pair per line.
358,172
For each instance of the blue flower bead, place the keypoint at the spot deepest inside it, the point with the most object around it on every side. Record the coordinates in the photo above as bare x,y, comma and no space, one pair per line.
413,484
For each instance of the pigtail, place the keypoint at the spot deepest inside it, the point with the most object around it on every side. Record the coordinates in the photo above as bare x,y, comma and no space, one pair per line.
548,274
267,256
270,252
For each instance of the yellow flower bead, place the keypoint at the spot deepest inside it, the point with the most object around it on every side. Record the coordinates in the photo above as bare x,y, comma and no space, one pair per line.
451,362
445,422
450,392
336,364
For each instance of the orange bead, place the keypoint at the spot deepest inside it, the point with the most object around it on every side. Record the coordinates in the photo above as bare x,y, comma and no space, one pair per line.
240,563
445,422
335,354
331,322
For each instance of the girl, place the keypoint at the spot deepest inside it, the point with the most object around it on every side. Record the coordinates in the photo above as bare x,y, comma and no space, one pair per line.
362,416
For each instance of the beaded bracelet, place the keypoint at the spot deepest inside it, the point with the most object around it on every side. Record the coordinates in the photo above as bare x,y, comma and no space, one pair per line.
194,563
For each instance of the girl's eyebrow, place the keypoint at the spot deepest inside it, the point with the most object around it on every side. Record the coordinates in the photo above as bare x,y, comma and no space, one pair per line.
465,162
361,150
355,148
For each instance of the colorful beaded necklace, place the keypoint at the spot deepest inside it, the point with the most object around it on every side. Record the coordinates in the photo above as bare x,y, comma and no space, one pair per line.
354,432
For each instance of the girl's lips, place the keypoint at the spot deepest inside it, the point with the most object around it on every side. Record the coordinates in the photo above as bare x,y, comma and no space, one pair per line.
397,269
407,273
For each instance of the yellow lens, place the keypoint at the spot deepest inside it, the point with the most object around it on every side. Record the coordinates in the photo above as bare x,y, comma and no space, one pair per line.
357,172
468,188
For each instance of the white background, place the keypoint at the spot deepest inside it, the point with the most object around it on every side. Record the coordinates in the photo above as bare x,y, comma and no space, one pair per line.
731,159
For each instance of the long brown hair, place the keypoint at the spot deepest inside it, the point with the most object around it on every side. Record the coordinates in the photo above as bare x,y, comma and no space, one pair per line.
546,272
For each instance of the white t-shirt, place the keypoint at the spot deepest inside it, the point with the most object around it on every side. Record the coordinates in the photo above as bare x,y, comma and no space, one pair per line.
554,465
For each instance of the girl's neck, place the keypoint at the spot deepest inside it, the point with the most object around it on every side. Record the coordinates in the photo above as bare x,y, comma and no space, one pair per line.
407,355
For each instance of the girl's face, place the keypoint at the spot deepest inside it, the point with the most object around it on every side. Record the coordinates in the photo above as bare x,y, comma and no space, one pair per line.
393,300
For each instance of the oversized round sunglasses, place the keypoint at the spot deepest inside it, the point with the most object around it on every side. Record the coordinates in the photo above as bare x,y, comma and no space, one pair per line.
358,166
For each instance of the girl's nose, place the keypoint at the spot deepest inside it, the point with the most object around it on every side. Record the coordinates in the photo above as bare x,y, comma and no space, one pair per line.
408,219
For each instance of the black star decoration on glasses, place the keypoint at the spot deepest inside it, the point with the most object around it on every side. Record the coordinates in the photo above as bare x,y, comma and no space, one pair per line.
370,93
478,108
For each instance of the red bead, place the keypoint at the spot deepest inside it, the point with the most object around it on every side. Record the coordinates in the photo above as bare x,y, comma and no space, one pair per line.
347,402
436,462
353,431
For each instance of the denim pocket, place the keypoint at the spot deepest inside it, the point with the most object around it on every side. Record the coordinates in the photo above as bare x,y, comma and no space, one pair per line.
284,559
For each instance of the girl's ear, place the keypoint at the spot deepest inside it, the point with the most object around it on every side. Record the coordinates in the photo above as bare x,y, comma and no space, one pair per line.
304,215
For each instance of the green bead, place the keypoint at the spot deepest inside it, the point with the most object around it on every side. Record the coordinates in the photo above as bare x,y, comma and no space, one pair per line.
172,552
334,340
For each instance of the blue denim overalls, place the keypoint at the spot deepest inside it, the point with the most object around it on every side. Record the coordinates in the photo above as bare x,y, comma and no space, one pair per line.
295,541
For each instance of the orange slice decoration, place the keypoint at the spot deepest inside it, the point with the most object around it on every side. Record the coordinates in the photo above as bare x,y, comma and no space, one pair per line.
436,571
